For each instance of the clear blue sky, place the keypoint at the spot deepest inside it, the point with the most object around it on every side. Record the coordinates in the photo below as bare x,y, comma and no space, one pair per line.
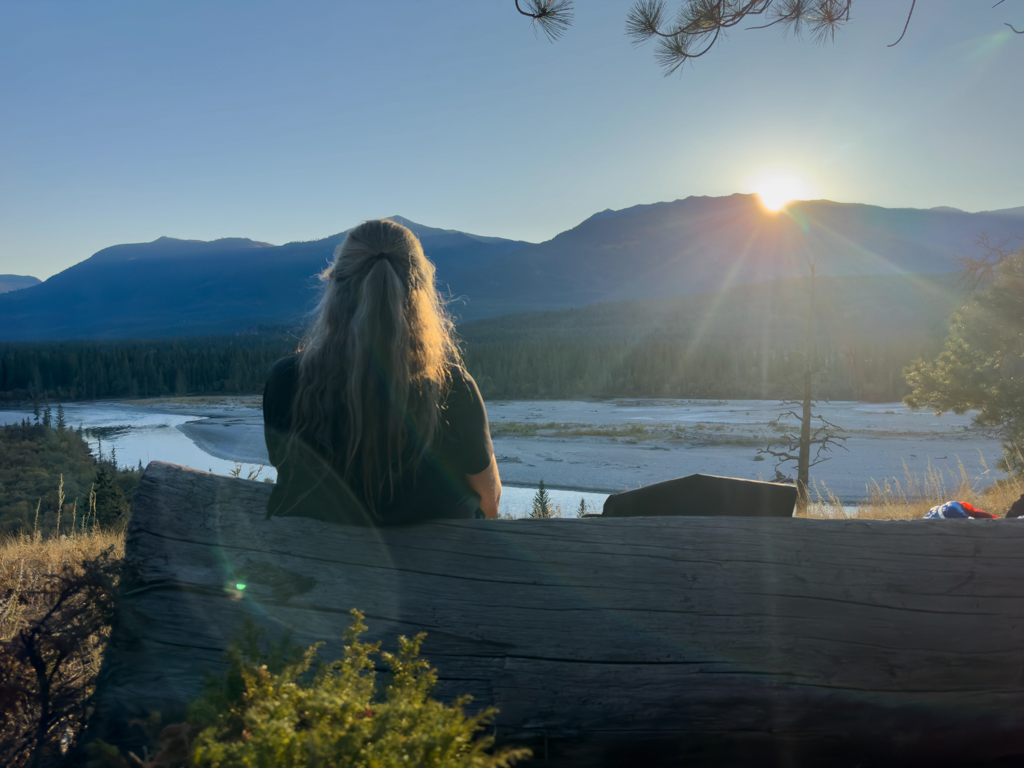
127,120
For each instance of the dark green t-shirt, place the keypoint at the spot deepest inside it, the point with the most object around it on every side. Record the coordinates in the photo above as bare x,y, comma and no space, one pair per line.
308,486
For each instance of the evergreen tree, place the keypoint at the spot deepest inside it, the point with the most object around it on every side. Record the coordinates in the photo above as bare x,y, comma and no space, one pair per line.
61,421
47,415
583,509
35,409
180,383
111,504
541,504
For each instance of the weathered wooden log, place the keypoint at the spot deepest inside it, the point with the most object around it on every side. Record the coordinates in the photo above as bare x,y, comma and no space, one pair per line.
636,641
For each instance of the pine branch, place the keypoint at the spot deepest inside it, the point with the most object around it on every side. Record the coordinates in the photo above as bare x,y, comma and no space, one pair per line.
700,24
552,16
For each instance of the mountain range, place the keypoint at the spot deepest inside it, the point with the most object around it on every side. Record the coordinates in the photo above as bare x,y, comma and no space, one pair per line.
699,245
17,282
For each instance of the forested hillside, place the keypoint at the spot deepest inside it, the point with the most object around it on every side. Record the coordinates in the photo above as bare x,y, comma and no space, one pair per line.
89,370
742,343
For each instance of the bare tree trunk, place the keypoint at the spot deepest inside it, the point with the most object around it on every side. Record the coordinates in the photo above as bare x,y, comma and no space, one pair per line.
803,466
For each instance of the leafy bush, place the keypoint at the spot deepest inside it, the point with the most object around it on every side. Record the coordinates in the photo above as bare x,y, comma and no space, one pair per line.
287,708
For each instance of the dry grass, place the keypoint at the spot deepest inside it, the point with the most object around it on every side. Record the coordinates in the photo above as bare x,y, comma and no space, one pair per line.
55,611
28,564
912,497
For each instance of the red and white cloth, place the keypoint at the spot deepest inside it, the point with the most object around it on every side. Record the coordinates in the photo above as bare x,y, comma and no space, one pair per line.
956,509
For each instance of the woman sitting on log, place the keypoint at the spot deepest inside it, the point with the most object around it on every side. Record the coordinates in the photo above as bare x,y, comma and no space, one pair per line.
375,420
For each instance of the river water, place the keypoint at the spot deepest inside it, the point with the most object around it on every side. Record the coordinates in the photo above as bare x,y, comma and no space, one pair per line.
581,449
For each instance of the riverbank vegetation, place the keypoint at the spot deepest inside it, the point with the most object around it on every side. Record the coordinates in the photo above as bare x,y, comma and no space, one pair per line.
51,483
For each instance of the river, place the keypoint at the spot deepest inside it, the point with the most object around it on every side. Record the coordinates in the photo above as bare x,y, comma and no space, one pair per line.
581,449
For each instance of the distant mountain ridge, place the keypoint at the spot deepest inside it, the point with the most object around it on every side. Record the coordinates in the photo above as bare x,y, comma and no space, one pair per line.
703,244
172,287
17,282
699,245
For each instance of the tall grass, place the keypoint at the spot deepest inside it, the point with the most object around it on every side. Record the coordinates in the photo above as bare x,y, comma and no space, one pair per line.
55,611
29,563
912,497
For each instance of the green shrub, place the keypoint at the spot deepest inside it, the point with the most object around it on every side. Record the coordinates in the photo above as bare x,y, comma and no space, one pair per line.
288,708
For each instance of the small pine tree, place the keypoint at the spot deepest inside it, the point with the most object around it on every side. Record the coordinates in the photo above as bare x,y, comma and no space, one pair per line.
583,508
61,421
35,410
541,504
47,416
111,504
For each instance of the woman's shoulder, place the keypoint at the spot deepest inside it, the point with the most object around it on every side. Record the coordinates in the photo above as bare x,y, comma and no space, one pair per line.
463,398
283,373
286,366
279,388
460,381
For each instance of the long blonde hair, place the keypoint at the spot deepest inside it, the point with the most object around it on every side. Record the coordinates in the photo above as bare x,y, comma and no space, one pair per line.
375,362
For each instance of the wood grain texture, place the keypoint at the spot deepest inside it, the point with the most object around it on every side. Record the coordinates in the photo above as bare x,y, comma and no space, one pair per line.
604,641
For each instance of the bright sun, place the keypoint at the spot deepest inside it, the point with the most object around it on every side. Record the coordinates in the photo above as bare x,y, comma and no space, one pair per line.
776,191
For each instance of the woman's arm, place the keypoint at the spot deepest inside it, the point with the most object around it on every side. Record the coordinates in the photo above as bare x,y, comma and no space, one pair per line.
487,485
